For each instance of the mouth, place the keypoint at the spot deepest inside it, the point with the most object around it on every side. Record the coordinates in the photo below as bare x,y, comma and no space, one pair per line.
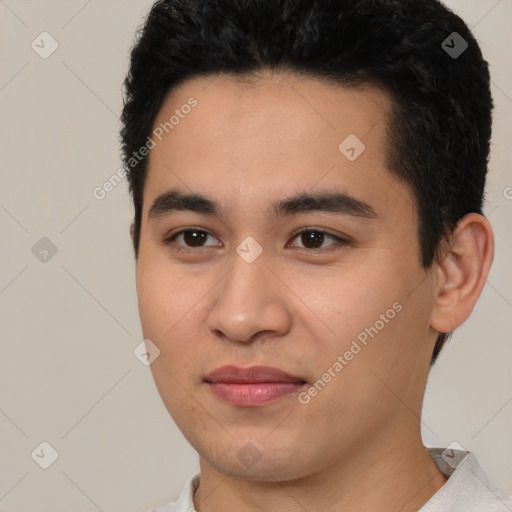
252,387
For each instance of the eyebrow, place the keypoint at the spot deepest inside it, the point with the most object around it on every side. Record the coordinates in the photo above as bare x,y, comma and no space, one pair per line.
303,202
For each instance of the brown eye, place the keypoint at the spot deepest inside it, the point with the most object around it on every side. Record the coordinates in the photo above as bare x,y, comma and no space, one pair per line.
313,239
194,238
190,239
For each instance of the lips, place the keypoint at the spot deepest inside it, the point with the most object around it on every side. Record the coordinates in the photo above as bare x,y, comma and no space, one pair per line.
252,375
256,386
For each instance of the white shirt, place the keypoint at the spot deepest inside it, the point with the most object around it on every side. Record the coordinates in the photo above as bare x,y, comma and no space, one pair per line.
466,490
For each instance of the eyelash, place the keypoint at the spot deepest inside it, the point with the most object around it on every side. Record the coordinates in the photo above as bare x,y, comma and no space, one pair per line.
170,240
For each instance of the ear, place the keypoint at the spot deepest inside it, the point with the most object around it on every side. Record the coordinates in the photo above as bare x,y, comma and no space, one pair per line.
462,272
132,231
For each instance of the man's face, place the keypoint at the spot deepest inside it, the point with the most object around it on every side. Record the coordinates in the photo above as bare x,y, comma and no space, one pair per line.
302,304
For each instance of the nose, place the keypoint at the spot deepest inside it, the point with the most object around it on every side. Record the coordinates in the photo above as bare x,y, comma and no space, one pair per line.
249,303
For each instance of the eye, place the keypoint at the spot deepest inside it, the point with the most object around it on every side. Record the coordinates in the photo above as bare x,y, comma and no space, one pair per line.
192,237
312,239
195,238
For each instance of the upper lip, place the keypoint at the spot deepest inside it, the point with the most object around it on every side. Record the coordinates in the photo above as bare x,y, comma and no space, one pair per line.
252,374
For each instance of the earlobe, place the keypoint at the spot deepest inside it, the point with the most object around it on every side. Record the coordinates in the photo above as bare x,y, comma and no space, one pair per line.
462,270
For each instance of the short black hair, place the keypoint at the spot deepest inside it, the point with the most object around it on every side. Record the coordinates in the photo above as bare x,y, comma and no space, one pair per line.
418,51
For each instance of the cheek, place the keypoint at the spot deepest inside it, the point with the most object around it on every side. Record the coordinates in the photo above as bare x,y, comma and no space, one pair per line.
352,300
165,308
162,295
153,300
372,306
169,311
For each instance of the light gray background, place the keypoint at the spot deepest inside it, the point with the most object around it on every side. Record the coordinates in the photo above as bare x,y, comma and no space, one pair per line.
69,326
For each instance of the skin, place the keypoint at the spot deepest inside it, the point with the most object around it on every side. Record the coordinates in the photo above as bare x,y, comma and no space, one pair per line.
357,444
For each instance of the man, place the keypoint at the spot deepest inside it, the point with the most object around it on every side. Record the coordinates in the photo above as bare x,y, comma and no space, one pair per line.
307,179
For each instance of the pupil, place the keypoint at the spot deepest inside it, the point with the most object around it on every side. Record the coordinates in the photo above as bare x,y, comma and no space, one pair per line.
199,236
311,237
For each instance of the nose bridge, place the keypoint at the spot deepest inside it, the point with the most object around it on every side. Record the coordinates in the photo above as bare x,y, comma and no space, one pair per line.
247,302
244,285
248,269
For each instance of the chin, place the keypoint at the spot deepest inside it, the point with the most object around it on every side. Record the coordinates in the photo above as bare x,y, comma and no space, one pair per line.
276,471
269,464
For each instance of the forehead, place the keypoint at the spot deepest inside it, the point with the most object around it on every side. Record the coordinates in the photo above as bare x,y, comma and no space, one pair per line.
248,138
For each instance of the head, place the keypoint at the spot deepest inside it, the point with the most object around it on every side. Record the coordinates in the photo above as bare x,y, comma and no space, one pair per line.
259,112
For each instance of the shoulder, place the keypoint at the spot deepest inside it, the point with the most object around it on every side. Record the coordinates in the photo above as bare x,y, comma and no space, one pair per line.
185,501
467,488
167,507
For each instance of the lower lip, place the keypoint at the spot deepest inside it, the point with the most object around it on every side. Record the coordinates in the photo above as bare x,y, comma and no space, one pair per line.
253,394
